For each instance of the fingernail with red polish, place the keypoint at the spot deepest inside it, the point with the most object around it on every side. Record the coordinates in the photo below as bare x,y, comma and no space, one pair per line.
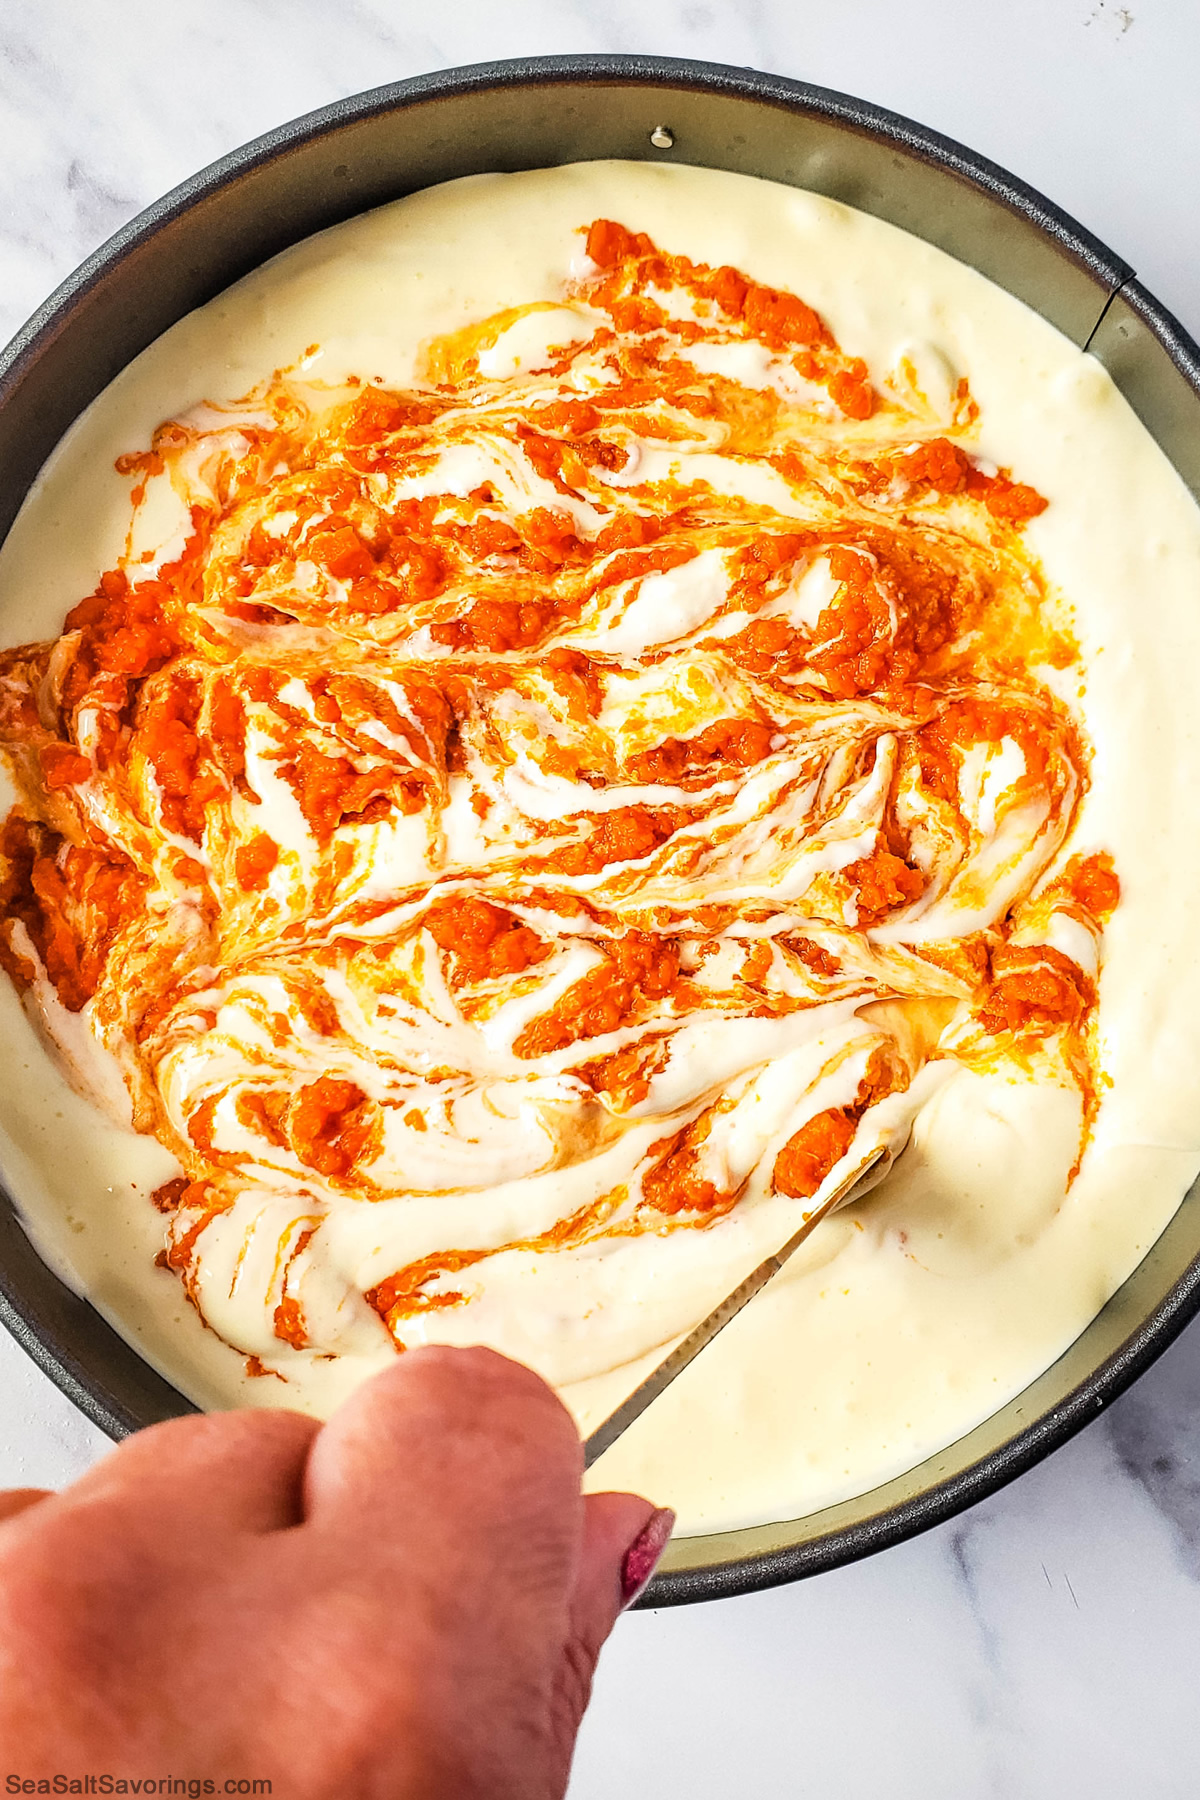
641,1558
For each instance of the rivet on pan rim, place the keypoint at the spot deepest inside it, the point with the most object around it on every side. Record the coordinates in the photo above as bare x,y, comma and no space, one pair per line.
662,137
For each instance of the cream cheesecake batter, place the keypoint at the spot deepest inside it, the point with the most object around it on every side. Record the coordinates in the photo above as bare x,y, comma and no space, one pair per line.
626,721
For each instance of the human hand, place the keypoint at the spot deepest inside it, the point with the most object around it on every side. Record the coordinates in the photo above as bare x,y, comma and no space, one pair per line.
406,1602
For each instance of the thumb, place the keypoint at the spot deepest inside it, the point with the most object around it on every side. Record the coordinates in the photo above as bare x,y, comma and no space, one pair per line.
623,1538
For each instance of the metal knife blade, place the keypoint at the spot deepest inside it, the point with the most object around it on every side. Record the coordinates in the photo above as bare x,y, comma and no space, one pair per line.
677,1360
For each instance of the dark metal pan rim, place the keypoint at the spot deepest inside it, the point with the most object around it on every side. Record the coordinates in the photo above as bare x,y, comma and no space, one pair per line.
63,1335
663,71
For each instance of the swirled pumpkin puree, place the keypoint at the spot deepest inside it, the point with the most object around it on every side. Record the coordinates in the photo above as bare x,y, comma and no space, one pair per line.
633,755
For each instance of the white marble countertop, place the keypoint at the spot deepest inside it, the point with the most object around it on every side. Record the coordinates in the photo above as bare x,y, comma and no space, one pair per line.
1044,1645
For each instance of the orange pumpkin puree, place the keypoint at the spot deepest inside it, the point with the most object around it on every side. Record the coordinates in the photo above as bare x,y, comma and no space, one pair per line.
220,754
